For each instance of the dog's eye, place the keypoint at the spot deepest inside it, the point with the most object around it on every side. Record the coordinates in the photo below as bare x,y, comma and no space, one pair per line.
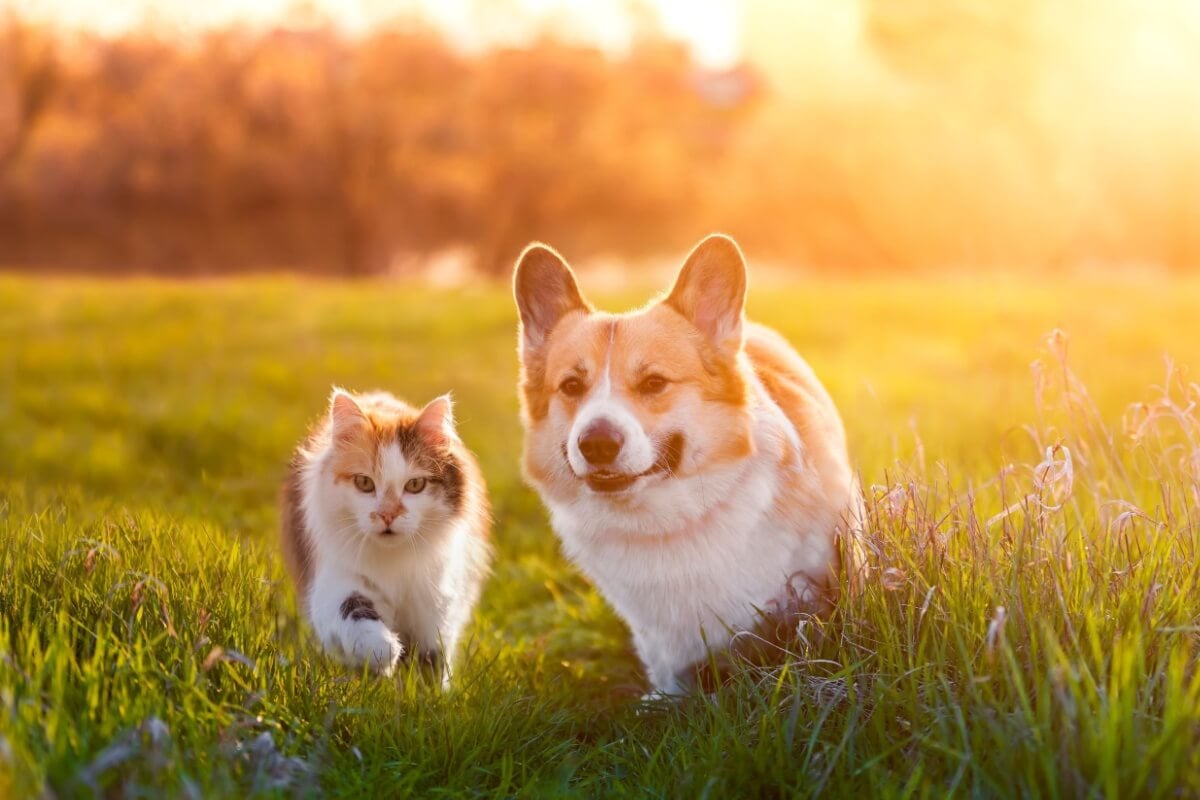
415,485
652,384
572,387
364,483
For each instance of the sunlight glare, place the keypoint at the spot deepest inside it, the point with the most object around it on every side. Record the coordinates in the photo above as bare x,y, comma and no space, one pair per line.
708,27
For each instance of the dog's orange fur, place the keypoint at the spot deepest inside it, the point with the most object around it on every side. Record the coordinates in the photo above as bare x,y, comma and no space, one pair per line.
794,387
760,505
655,340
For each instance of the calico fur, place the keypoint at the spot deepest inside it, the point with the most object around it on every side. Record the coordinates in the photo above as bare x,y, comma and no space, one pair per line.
391,572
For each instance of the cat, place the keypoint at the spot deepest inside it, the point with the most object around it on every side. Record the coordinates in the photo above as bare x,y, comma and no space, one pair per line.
385,529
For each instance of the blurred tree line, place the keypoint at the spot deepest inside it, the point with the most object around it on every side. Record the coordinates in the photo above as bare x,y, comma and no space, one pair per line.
305,149
943,134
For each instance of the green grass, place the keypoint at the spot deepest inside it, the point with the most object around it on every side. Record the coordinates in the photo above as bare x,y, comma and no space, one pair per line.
149,643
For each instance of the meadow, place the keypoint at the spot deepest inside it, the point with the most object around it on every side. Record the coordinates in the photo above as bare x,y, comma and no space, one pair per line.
1031,626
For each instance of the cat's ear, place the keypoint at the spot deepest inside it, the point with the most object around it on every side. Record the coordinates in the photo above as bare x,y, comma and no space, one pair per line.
346,417
710,291
436,421
546,291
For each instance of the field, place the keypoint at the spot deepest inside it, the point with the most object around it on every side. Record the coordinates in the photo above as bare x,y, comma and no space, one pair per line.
1032,626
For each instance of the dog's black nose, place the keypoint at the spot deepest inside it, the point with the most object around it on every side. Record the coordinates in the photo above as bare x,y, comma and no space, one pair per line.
600,442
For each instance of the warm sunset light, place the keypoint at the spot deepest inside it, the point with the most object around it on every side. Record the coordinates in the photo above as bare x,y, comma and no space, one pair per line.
709,27
1044,136
599,398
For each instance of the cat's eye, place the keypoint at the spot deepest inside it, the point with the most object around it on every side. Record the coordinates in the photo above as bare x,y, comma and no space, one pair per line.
364,483
415,485
572,387
652,384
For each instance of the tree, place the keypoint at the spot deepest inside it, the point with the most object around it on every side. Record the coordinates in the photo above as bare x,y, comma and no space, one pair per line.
29,61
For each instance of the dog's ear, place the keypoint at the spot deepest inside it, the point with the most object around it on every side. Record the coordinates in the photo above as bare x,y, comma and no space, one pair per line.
711,290
545,289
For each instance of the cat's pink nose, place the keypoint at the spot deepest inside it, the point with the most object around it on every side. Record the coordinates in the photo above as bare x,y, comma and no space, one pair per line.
389,515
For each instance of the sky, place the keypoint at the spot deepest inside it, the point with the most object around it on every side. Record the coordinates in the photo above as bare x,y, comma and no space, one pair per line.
709,27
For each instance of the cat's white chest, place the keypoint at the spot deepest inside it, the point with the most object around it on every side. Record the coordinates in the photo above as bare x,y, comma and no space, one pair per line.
408,589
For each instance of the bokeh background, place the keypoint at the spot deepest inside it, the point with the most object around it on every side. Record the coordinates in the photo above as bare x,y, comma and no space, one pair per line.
422,137
978,220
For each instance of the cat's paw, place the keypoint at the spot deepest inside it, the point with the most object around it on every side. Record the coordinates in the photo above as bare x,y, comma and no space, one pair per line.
371,643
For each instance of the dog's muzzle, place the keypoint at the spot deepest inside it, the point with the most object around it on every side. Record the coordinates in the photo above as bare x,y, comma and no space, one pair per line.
670,454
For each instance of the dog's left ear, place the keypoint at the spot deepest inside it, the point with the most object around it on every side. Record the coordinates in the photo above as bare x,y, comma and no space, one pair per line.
711,290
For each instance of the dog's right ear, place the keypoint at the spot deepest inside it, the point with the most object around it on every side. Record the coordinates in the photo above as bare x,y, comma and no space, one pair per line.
546,291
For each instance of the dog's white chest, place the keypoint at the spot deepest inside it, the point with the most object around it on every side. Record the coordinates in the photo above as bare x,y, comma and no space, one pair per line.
686,591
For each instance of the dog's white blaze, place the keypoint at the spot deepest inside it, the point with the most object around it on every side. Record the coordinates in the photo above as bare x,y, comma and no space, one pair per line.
637,452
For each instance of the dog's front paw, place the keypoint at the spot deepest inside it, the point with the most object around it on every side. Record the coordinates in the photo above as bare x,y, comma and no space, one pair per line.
371,643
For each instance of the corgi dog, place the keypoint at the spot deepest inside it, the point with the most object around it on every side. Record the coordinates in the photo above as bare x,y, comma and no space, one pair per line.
694,467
